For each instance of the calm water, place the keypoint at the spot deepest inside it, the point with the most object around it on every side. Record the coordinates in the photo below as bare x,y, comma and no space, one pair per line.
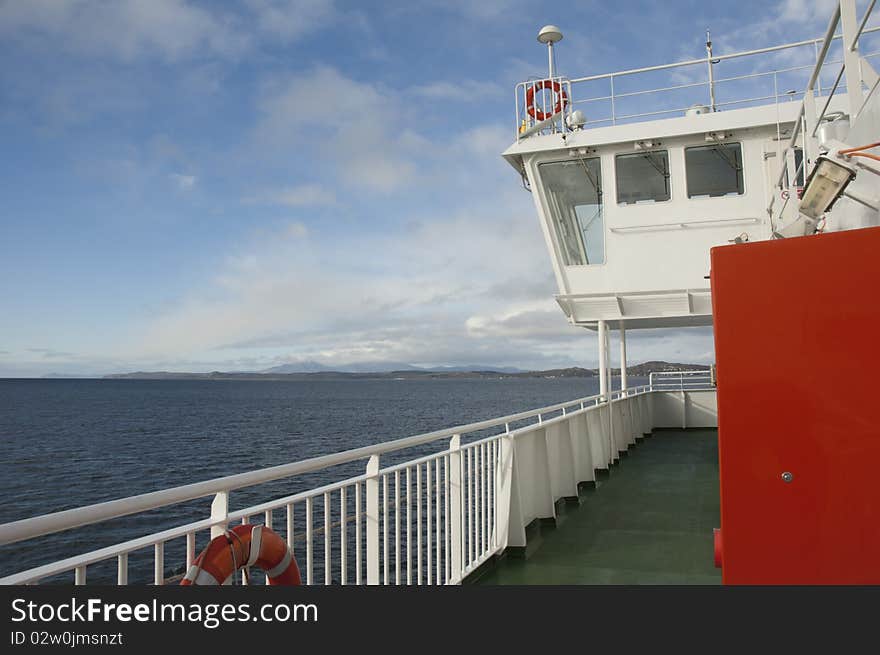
66,443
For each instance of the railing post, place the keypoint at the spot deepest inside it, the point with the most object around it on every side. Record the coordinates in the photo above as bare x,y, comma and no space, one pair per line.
711,72
810,144
159,564
613,108
603,364
122,569
219,513
455,514
683,409
372,485
851,59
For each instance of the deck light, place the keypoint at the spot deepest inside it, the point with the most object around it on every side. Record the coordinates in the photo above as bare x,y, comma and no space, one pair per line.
824,186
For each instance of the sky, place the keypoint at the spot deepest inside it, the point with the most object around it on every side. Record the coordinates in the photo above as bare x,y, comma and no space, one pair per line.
192,186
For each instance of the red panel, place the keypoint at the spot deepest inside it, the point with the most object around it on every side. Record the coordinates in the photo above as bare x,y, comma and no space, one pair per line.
797,344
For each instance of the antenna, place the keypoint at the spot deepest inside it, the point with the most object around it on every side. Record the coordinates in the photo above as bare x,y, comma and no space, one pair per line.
710,62
550,34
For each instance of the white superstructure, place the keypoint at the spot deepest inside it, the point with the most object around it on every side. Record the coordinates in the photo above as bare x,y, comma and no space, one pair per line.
630,207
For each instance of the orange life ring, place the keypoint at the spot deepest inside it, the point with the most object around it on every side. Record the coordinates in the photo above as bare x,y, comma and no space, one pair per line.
244,546
561,95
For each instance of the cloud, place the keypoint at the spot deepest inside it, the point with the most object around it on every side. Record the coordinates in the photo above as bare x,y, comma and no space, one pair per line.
357,290
292,19
296,230
483,10
125,29
356,125
184,182
803,11
304,195
49,353
469,287
538,320
462,90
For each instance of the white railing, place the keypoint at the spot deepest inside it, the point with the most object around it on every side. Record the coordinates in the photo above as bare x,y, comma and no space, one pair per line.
430,520
698,84
854,69
701,380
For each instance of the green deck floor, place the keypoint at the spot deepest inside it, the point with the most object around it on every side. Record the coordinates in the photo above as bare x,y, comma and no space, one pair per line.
649,521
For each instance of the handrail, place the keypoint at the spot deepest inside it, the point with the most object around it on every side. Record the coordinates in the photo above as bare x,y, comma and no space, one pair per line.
870,8
37,526
475,522
528,127
817,69
830,36
698,380
702,60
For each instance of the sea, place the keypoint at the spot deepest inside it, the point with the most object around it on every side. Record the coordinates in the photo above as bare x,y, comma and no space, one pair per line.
68,443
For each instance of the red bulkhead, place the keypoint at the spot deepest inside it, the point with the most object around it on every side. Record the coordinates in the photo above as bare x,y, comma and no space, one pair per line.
797,344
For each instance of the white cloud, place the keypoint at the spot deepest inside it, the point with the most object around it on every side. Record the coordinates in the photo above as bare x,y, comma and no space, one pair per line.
296,230
482,10
804,10
377,296
304,195
292,19
470,287
463,90
127,29
184,182
357,126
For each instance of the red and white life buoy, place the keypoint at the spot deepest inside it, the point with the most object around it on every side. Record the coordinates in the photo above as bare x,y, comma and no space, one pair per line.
244,546
561,99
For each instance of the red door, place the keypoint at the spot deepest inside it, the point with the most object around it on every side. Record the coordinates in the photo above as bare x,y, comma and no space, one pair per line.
797,344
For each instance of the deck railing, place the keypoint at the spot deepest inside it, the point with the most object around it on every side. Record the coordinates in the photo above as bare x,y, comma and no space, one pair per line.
429,520
854,69
695,82
700,380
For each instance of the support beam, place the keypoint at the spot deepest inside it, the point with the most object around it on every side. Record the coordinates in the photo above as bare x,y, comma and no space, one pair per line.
622,357
608,375
610,385
603,359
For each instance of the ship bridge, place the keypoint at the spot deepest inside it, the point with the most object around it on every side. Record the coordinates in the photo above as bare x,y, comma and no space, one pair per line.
636,174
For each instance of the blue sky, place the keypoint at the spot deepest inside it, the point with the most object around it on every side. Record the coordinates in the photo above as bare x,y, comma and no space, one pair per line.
190,185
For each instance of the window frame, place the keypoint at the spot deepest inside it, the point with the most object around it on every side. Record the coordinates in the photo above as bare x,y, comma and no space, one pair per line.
547,205
642,203
729,195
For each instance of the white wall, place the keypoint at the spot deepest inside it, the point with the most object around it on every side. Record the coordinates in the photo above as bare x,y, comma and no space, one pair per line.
701,409
550,459
661,258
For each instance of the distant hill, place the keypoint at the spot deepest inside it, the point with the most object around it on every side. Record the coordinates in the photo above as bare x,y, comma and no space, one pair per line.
645,369
298,367
474,367
381,367
409,373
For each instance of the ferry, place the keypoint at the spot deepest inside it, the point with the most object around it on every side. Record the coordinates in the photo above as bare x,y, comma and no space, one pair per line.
722,197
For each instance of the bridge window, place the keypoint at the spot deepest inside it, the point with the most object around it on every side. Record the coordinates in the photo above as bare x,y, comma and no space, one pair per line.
574,195
643,177
714,170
